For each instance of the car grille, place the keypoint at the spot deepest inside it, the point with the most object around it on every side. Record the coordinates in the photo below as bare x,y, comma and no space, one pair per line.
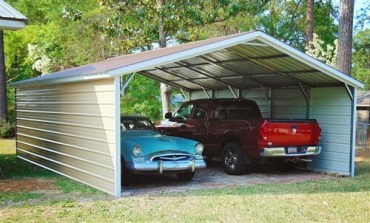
171,157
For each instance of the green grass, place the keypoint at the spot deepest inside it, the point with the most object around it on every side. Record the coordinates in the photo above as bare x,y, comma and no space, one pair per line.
340,199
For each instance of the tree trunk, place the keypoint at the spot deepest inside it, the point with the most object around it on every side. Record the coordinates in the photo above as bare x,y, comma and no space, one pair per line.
165,89
3,97
345,36
309,22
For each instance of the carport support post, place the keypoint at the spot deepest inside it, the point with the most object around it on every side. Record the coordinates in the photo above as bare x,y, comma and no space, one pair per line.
353,129
117,134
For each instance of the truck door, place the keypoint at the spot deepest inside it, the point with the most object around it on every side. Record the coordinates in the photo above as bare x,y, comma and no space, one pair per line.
196,126
194,117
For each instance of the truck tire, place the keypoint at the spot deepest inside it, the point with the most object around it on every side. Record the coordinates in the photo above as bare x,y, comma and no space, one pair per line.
188,176
233,159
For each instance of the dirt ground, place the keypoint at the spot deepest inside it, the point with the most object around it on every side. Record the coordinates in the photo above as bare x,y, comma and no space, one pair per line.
22,185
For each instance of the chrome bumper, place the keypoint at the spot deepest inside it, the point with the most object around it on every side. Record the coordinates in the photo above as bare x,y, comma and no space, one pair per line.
164,166
283,151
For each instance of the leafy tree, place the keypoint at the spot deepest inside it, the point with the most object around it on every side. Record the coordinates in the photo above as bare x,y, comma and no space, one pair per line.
361,57
142,97
327,54
148,22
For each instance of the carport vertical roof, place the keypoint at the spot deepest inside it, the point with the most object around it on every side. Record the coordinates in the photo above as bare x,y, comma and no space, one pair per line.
151,60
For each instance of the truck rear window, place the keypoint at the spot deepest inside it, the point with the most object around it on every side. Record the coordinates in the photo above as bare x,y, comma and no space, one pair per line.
236,110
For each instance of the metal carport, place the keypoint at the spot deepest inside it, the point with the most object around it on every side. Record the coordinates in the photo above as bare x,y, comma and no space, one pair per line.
68,121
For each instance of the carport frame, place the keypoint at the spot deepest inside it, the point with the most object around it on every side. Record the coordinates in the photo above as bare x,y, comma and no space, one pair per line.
112,69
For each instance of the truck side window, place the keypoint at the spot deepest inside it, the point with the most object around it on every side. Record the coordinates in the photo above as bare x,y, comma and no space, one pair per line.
184,111
200,111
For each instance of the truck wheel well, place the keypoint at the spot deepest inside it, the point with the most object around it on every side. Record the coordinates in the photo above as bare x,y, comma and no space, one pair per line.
228,140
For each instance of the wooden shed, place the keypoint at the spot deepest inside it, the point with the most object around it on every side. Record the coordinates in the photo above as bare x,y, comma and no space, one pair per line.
69,121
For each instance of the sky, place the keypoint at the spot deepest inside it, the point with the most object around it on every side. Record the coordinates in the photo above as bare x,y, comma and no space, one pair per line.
358,5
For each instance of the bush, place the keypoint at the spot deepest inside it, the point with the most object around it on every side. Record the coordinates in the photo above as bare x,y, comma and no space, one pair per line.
7,130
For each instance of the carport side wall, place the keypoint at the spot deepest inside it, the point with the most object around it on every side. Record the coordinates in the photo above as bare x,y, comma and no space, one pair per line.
258,95
332,107
289,103
70,129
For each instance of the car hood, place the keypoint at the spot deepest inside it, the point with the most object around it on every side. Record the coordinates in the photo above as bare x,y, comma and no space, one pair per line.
153,142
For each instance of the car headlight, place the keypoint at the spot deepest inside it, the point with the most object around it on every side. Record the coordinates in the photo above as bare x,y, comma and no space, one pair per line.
137,150
199,149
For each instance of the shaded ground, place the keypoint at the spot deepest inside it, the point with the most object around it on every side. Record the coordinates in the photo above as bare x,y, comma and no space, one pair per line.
214,177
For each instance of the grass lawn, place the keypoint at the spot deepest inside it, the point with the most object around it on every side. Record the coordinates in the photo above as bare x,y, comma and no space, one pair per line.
341,199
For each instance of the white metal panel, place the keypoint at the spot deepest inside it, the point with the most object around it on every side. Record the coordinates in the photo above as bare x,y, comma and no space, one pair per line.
288,103
332,108
70,129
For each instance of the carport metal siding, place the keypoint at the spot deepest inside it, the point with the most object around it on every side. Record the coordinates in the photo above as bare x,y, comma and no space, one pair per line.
70,129
333,109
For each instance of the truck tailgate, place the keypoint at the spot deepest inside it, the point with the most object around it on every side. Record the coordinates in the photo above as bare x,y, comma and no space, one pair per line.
285,132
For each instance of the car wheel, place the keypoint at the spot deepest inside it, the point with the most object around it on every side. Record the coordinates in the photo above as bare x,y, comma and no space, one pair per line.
233,160
188,176
126,176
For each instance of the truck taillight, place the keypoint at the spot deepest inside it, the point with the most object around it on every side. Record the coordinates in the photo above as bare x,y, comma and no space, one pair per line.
263,135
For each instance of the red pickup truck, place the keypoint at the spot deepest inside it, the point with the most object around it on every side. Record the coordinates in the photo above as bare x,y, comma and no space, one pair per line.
235,130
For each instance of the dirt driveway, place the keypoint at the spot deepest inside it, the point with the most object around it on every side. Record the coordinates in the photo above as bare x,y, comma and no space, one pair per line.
214,177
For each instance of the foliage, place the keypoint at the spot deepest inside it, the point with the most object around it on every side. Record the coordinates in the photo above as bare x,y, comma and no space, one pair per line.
316,50
361,57
7,130
142,97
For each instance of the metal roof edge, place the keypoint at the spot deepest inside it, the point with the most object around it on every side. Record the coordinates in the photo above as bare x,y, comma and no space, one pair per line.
61,80
309,60
11,13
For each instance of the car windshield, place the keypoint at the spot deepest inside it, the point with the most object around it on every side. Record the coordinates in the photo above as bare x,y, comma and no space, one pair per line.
136,123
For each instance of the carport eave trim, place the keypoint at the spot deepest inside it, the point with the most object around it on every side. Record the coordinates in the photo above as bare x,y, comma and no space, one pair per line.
296,54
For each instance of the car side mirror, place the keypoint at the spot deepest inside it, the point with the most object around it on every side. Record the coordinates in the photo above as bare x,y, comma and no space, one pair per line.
168,115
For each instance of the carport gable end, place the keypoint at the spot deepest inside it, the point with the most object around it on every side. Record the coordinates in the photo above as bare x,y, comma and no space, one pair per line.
75,99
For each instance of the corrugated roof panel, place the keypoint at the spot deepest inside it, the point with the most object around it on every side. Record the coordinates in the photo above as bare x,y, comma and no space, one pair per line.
317,79
222,55
246,82
248,67
217,71
255,51
9,13
276,80
286,64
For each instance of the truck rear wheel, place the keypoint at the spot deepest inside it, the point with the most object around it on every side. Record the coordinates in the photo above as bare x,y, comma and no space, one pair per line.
233,159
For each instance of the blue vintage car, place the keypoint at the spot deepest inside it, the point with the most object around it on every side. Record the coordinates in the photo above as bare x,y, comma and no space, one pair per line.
144,150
